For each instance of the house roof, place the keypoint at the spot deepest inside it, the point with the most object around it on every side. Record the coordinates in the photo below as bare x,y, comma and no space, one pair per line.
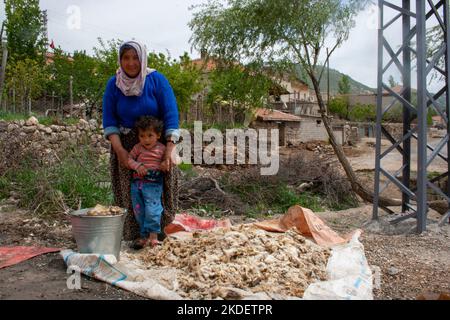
50,56
275,115
207,65
397,89
210,64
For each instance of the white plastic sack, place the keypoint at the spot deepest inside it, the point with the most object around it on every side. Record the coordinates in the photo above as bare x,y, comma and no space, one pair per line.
124,274
349,274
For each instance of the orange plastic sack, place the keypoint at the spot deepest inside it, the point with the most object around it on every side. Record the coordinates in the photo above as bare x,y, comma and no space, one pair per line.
188,223
10,256
307,224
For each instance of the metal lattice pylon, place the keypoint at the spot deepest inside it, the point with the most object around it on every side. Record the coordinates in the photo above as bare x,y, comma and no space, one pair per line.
416,18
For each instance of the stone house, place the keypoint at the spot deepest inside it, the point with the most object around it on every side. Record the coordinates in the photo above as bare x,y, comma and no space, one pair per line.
295,110
371,98
293,129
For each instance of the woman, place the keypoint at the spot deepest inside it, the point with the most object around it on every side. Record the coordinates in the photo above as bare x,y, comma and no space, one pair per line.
135,91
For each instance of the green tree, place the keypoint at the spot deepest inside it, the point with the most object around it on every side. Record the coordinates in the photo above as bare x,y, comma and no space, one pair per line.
86,86
286,30
27,78
363,113
392,82
184,78
25,30
241,88
338,106
344,90
59,72
107,57
344,85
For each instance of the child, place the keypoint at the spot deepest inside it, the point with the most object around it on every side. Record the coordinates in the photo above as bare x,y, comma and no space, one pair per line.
147,183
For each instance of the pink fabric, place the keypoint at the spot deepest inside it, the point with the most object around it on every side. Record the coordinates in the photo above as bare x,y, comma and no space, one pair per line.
10,256
188,223
307,224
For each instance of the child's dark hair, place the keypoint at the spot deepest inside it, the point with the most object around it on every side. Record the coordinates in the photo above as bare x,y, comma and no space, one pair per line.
149,122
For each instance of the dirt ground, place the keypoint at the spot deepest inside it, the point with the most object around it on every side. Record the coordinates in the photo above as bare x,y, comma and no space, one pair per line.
365,160
408,264
44,277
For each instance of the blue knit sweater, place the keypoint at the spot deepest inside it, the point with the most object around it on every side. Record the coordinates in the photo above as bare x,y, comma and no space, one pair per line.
157,100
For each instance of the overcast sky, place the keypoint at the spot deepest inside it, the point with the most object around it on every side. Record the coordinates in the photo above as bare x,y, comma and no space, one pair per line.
162,25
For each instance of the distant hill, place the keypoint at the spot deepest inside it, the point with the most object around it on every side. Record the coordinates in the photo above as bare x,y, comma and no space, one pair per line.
335,76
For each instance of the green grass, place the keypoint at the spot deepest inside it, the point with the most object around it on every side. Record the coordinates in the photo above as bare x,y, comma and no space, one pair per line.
266,199
68,184
347,202
4,187
433,174
207,210
46,121
188,170
8,116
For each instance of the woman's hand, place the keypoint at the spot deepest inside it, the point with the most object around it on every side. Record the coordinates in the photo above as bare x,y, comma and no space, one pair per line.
142,172
169,157
121,153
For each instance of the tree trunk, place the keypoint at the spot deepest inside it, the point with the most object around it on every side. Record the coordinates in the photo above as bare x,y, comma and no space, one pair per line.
357,187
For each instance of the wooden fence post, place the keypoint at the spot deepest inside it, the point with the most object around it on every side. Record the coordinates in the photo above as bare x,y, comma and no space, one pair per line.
29,105
3,68
14,95
71,94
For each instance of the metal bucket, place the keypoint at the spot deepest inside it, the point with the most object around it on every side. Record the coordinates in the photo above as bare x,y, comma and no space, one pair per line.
97,234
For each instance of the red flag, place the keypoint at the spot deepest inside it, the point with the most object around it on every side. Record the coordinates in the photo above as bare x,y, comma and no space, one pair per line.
52,45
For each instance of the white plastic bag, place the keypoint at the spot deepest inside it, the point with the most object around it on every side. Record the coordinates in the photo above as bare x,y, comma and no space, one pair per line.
122,274
349,274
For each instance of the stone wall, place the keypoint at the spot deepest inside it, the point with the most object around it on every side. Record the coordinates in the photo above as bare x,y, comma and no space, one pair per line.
54,137
312,129
295,133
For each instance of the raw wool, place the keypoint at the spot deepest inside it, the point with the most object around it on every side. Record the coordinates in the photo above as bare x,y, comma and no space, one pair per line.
102,211
242,257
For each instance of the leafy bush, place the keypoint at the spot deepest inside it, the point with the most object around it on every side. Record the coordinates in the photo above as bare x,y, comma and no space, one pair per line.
363,113
339,106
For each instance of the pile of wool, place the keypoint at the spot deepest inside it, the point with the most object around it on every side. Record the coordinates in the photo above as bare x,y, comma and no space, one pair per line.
243,258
